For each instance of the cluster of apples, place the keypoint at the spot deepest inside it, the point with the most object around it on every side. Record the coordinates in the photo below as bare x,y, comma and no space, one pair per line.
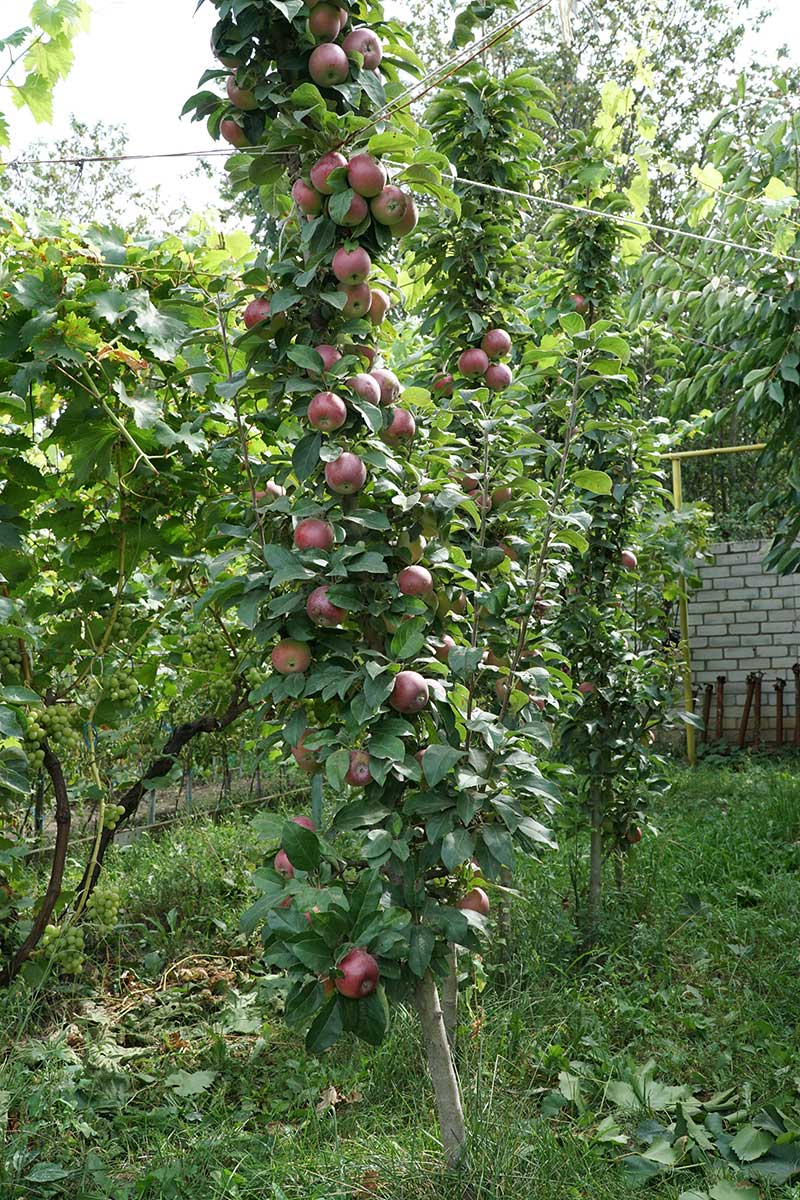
372,195
480,363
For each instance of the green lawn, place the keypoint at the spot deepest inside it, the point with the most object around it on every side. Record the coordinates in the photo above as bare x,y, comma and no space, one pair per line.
165,1073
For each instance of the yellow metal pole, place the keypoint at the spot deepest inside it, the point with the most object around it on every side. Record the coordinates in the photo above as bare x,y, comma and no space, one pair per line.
712,450
683,606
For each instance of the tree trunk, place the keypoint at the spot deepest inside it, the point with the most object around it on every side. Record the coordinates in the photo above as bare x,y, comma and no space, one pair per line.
450,998
619,871
595,895
504,914
53,891
442,1071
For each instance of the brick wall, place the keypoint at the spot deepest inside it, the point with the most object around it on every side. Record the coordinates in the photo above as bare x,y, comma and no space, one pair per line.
744,620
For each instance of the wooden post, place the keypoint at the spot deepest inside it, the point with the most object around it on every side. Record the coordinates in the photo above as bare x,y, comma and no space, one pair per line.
780,686
683,608
759,677
748,704
721,681
707,695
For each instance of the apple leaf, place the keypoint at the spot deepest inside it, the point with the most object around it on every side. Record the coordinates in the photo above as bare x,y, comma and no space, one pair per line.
338,205
593,481
326,1026
422,942
305,456
301,846
372,1017
336,767
438,761
306,357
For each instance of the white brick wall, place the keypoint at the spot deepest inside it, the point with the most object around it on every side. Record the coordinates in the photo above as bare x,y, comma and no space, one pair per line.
745,620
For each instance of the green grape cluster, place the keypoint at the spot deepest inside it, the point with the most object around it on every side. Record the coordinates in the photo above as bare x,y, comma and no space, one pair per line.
66,947
103,906
219,692
206,648
112,814
10,656
122,625
57,724
122,688
254,677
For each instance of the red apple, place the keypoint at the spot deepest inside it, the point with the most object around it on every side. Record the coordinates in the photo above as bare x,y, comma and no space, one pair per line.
366,175
359,976
442,651
579,303
496,343
407,222
366,387
586,689
389,206
358,300
322,611
283,867
628,560
325,166
306,761
443,384
313,534
291,657
381,303
356,213
256,312
388,383
633,835
369,353
346,474
233,132
329,356
231,61
475,901
401,428
351,266
323,23
415,581
509,551
473,363
306,197
501,495
498,376
328,65
364,42
358,772
327,411
410,692
240,97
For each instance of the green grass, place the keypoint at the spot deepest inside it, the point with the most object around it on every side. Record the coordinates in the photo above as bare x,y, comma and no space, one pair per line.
698,970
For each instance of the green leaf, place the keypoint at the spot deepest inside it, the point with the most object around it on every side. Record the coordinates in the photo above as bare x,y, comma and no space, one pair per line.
336,767
751,1143
306,357
17,694
725,1189
593,481
572,323
339,205
305,457
438,761
409,638
421,944
326,1027
457,848
301,846
186,1084
371,1018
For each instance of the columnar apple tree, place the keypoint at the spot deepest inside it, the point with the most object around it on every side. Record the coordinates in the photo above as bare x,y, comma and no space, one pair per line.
372,632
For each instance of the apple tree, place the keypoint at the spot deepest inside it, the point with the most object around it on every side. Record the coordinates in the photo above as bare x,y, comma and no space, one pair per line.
375,588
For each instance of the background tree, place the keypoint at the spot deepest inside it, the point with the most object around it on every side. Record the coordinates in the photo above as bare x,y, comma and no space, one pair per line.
87,193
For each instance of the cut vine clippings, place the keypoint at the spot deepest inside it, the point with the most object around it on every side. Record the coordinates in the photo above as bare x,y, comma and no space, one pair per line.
371,586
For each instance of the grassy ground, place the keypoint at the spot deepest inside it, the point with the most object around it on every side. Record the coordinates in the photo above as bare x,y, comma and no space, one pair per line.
165,1073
